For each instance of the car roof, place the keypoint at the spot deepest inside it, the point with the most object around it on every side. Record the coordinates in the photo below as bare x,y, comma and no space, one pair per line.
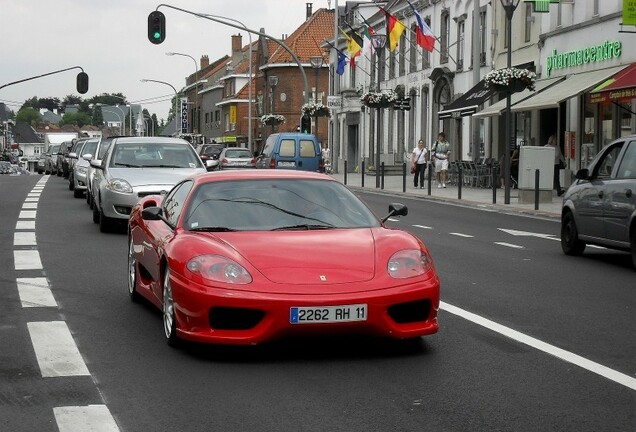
154,140
257,174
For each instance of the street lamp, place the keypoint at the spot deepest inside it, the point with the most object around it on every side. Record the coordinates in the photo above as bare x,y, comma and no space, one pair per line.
152,123
509,6
195,120
100,105
129,106
316,64
379,42
176,96
249,88
273,82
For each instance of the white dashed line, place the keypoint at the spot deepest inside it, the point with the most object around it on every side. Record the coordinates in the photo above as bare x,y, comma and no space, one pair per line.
510,245
55,350
27,260
29,206
27,214
599,369
25,225
94,418
35,292
22,238
461,235
423,227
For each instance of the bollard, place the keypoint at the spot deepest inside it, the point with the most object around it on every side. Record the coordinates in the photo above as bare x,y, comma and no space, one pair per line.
362,172
460,181
430,176
382,176
536,189
493,173
345,171
404,177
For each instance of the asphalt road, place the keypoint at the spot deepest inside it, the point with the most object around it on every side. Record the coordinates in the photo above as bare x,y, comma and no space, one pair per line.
565,360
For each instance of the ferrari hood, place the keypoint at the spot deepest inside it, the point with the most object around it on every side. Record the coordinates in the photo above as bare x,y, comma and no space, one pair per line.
322,257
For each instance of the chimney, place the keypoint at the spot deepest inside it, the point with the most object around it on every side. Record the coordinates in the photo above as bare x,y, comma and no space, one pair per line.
237,43
309,9
205,61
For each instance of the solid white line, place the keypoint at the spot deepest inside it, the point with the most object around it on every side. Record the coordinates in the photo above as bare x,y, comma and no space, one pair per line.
29,205
21,238
35,292
510,245
93,418
55,349
27,260
25,225
423,227
27,214
599,369
461,235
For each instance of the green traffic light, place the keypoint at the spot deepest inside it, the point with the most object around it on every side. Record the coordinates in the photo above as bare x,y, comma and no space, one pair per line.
157,35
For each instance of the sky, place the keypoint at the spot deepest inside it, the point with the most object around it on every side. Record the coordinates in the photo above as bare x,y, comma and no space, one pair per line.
109,40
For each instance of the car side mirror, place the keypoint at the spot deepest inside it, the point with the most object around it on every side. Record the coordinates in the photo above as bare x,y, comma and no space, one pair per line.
153,214
72,155
87,157
96,164
396,209
583,174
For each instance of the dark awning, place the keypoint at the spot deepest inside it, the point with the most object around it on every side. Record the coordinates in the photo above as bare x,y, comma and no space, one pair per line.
619,88
468,103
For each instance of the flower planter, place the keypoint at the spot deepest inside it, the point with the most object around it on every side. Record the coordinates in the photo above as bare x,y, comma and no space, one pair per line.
513,87
272,122
383,104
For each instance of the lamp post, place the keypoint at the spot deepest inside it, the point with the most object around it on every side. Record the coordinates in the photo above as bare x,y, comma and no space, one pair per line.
316,64
249,88
110,111
195,120
123,116
129,106
273,82
509,7
152,123
176,96
379,42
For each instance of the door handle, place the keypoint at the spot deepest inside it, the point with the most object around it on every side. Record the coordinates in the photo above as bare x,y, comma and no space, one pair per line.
628,193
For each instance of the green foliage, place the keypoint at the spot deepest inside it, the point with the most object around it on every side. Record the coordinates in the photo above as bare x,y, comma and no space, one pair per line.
77,119
29,115
71,100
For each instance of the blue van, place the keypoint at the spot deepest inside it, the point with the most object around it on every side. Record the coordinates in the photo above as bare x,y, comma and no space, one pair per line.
295,151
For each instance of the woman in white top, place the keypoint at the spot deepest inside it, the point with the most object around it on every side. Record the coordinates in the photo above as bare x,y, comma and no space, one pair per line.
419,158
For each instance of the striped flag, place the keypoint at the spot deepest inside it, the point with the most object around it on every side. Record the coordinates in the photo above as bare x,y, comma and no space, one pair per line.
394,29
424,35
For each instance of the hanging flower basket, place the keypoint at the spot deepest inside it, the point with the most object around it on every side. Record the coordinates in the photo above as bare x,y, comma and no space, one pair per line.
510,80
315,109
272,119
381,99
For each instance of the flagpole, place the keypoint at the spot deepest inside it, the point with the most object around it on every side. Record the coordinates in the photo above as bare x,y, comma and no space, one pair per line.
335,153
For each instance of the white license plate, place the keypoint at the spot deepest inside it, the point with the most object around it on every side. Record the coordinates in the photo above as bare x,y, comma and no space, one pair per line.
286,164
327,314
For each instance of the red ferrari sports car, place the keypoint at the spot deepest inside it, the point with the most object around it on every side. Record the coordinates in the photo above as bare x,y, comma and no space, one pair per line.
243,257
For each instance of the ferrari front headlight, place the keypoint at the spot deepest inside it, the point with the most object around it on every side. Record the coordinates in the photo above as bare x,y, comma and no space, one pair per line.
409,263
219,269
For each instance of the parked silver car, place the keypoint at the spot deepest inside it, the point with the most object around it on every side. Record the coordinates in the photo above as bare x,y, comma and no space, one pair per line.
235,158
50,163
600,207
80,169
102,147
134,167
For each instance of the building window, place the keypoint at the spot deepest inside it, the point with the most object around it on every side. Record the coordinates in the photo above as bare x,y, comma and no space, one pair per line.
529,19
402,46
414,49
595,8
482,35
461,37
392,65
374,69
559,15
381,65
444,36
207,118
227,122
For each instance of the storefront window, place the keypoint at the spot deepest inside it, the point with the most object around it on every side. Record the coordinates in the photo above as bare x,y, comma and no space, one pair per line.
588,139
606,118
626,118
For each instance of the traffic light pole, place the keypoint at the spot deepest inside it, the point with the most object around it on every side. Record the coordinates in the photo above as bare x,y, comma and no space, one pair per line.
278,41
82,78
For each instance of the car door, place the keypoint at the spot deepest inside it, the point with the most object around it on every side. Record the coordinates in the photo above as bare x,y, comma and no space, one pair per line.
590,199
619,203
309,155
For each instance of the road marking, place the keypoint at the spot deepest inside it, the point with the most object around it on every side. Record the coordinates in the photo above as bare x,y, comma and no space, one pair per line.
423,227
393,219
25,225
27,214
35,292
32,199
599,369
55,349
27,260
528,234
510,245
94,418
29,205
21,238
461,235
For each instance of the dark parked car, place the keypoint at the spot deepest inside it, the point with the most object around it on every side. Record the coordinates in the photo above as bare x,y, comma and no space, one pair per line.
209,154
63,159
72,160
600,206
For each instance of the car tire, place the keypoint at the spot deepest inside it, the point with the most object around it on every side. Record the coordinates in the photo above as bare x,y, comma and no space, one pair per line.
105,223
95,215
77,193
135,297
167,309
633,246
570,242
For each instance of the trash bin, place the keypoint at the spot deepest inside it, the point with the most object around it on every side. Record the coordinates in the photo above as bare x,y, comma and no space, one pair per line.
532,158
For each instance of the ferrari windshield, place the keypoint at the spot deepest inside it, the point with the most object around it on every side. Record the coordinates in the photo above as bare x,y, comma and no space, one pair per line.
275,204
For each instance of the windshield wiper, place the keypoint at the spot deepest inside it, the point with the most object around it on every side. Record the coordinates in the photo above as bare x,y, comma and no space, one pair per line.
307,227
118,164
214,229
163,166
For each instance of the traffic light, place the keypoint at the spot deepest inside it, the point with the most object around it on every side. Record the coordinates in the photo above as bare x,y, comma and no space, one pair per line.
82,82
156,27
305,124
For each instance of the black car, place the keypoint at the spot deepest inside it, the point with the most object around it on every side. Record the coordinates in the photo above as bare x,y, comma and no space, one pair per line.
63,159
209,154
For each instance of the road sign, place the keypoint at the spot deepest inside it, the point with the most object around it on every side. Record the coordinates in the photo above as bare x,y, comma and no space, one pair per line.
403,104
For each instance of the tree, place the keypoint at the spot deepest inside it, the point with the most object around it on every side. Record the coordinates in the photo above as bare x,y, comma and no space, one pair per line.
78,119
71,100
50,103
30,103
98,117
29,115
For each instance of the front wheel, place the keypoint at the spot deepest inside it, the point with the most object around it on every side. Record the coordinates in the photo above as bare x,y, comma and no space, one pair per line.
633,247
570,242
169,321
132,272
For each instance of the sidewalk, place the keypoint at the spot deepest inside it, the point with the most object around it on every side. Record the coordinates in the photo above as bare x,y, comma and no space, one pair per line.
471,196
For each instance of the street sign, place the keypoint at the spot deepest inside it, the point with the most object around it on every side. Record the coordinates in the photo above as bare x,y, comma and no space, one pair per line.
184,115
334,102
403,104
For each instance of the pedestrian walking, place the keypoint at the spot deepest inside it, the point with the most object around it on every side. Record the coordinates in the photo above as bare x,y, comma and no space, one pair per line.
441,152
419,159
559,163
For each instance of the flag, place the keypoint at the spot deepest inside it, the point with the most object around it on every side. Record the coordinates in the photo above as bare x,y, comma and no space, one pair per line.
367,33
394,29
342,59
424,35
353,47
